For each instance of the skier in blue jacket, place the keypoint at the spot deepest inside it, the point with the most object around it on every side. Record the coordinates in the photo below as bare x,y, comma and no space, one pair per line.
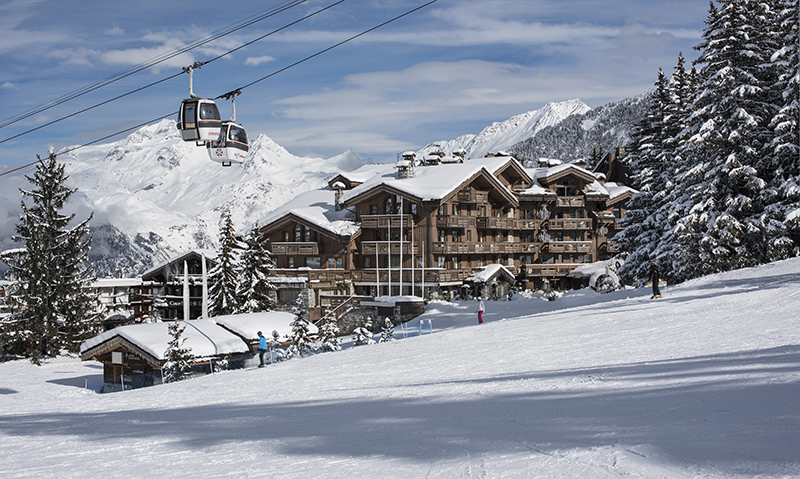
262,348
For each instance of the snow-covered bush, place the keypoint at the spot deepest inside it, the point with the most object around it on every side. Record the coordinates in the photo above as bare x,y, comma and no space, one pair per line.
363,335
387,331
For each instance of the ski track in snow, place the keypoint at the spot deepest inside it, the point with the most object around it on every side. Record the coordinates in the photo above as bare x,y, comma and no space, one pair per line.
700,383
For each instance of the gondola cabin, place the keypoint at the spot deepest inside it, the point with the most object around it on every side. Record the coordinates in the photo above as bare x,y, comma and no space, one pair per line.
231,147
199,120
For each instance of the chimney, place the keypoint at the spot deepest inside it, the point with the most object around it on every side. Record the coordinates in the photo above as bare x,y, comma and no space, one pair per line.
338,188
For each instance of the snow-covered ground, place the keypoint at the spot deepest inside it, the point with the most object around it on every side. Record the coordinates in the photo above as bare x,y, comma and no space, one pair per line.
704,382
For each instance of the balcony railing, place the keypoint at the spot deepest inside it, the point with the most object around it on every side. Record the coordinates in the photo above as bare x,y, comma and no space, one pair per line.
528,224
473,196
570,246
571,224
455,221
496,223
546,270
388,247
386,221
282,249
484,248
570,201
430,276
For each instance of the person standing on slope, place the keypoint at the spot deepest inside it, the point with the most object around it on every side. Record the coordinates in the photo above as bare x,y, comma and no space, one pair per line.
262,348
655,276
480,309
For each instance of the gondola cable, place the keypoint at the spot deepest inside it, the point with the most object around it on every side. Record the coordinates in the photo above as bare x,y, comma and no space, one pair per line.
153,61
69,150
167,78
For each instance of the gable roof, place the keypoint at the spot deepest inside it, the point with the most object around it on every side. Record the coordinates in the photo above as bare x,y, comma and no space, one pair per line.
204,336
315,208
618,192
358,176
490,273
432,183
208,254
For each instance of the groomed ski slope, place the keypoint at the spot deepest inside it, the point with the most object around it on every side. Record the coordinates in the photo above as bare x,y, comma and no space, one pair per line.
704,382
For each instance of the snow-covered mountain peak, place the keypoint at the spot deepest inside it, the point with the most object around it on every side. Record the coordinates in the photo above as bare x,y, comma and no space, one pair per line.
502,135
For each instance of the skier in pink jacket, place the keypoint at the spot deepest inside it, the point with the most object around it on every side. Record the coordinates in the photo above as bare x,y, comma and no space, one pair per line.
481,308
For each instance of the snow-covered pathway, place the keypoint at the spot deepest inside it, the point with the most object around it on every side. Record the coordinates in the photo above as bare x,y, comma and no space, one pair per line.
702,383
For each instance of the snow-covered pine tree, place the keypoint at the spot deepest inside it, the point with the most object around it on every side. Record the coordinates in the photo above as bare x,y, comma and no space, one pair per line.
178,358
363,335
302,342
50,270
387,331
222,293
329,335
720,206
649,159
254,288
784,150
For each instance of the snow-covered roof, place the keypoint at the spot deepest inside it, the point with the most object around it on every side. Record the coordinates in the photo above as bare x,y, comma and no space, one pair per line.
431,182
615,190
248,325
365,172
490,272
595,189
116,282
204,336
316,207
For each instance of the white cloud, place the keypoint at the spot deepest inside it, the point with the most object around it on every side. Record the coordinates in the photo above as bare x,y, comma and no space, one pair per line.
255,61
8,86
115,31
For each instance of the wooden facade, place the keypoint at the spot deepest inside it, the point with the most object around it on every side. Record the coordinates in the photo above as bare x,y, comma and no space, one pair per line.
540,224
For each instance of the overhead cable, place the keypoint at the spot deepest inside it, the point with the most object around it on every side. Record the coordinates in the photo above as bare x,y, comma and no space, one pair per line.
154,61
69,150
167,78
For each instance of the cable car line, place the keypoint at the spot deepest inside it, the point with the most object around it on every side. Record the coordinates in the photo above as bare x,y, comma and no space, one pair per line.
153,61
167,78
334,46
229,94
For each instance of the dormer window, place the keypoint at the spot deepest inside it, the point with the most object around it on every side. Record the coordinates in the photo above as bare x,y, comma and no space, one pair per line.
566,187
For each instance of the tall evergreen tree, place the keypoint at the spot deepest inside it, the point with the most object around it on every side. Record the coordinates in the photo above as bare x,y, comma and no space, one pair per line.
643,227
50,271
719,209
254,288
784,150
222,293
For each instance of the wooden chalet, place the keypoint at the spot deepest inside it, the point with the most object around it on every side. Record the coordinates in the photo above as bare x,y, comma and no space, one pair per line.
422,228
162,291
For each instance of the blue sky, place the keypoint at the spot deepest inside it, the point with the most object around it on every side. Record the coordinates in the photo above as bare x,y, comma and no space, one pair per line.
449,69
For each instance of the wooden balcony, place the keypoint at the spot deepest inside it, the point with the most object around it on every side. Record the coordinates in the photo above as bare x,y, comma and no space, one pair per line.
584,224
496,223
455,221
528,224
569,246
570,202
388,247
386,221
431,276
472,197
298,249
546,270
484,248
